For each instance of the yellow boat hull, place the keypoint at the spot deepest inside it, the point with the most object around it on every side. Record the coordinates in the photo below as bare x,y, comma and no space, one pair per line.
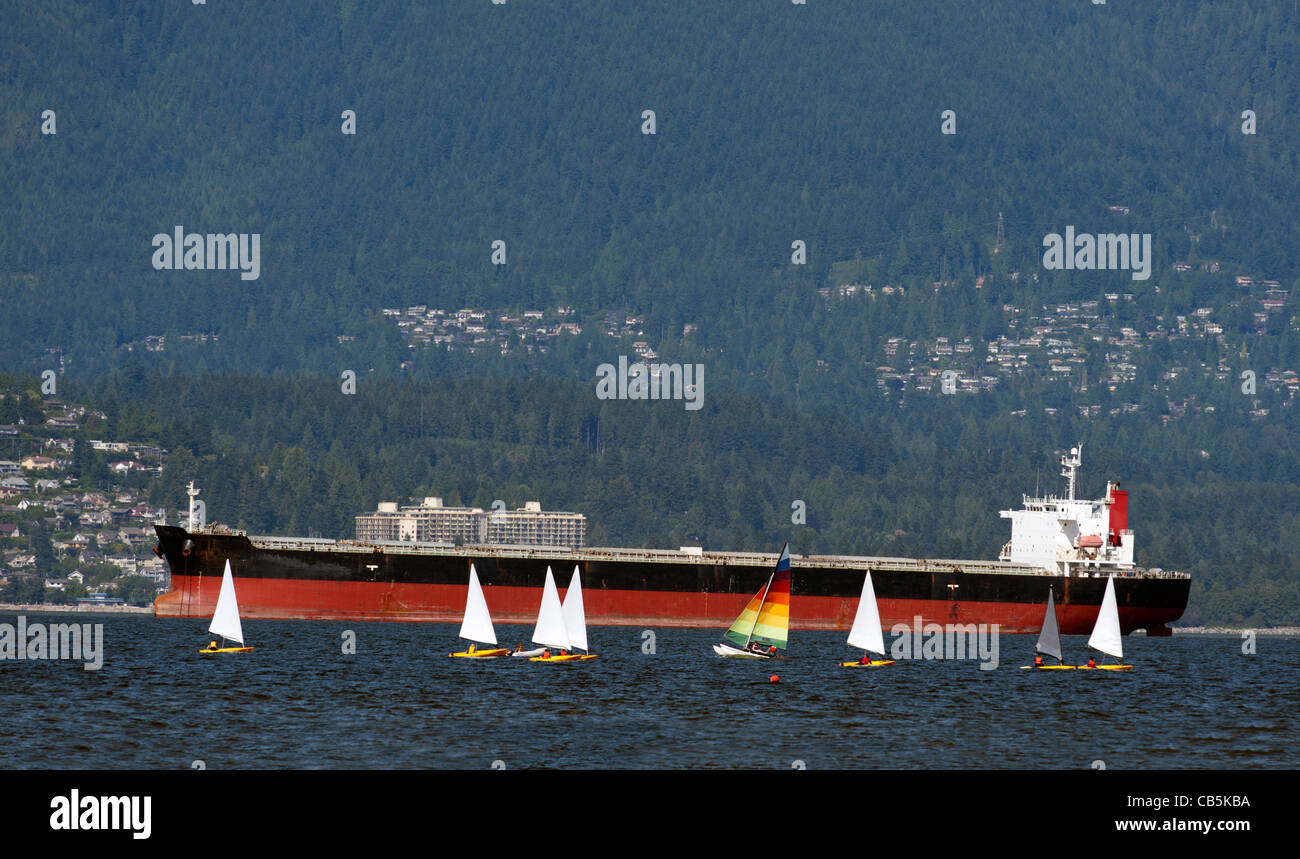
873,664
480,654
227,650
572,657
1078,667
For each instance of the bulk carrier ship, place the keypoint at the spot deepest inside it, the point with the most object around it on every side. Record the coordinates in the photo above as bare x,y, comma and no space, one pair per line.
1066,544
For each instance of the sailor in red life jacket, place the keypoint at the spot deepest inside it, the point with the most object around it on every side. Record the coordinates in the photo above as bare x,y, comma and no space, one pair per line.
866,659
1092,663
1038,660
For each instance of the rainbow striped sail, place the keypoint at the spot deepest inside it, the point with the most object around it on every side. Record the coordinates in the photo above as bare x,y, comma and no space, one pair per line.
766,620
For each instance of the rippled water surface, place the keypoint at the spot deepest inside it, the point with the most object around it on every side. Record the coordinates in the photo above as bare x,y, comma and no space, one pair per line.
299,702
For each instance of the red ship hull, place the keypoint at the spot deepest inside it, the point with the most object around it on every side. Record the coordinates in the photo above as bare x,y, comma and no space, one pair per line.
195,596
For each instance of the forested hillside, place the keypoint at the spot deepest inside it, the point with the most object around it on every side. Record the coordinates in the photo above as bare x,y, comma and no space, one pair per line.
774,123
523,122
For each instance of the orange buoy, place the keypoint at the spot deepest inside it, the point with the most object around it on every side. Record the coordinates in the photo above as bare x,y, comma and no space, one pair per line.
774,679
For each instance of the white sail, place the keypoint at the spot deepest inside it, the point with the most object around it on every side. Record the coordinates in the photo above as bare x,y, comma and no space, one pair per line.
575,617
551,630
1049,637
477,625
1106,634
225,620
866,632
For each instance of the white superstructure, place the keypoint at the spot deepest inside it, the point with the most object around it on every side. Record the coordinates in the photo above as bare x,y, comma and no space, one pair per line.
1072,536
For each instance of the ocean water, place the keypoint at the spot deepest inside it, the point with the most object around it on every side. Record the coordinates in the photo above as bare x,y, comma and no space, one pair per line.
300,702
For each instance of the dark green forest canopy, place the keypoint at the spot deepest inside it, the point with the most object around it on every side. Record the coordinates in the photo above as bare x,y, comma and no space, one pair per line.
522,122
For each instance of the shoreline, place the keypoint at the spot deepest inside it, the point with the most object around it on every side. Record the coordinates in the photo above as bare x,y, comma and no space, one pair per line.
75,609
1235,630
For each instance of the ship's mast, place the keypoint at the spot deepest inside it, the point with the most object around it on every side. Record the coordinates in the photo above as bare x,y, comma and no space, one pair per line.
1069,464
193,493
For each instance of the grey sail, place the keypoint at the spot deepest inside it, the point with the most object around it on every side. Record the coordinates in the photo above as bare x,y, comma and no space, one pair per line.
1049,640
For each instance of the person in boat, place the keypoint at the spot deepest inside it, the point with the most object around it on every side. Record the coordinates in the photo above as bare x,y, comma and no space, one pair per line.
1092,663
212,645
1038,660
519,648
471,649
866,659
546,653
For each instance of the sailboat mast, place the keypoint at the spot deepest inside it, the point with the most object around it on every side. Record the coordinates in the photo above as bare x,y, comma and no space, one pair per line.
759,611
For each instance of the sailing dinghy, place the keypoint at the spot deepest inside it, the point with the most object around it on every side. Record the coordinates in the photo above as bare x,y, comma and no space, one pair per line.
1049,638
763,627
1106,635
867,633
225,620
552,631
477,625
575,617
